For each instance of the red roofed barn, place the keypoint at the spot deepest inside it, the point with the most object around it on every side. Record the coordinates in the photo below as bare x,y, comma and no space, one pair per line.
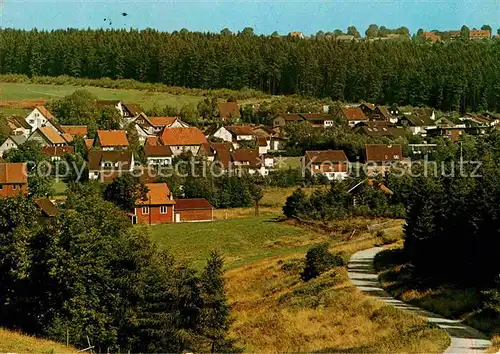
13,179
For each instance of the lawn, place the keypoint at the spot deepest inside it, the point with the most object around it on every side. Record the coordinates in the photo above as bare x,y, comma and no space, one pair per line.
146,99
275,311
241,241
59,187
13,342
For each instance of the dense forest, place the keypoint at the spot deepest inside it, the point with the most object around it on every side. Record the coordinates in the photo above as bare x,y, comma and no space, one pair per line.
457,75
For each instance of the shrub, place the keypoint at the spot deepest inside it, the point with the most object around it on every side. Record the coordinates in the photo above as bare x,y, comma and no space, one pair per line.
320,260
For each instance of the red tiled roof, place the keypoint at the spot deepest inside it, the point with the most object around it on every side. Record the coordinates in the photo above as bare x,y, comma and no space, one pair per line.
192,204
183,136
45,112
123,158
384,153
228,109
353,113
245,155
58,151
222,153
316,116
326,156
75,130
479,34
432,36
52,136
291,117
162,121
158,194
240,129
89,143
11,173
157,150
112,138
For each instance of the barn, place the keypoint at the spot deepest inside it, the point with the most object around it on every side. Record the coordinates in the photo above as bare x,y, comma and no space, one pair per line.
193,210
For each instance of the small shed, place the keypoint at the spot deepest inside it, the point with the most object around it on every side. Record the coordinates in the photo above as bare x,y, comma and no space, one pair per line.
193,210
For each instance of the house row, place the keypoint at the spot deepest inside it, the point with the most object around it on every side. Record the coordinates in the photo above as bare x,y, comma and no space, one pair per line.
473,35
319,120
334,164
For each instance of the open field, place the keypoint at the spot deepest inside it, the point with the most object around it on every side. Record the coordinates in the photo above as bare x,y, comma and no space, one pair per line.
13,342
275,311
146,99
448,300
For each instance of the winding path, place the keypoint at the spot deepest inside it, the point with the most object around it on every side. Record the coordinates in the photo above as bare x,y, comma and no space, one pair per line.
464,339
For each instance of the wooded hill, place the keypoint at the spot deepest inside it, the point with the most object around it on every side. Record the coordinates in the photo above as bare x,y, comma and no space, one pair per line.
458,75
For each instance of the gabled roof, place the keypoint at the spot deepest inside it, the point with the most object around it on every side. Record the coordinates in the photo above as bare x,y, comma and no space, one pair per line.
51,135
96,157
246,156
162,121
420,119
316,116
383,153
157,151
16,122
222,153
104,103
370,106
75,130
228,109
17,139
353,113
183,136
89,143
58,151
13,173
384,111
132,108
326,156
291,117
112,138
240,129
47,207
158,194
192,204
45,112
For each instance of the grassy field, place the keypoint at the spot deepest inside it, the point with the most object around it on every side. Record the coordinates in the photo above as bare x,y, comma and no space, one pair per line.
453,302
146,99
13,342
275,311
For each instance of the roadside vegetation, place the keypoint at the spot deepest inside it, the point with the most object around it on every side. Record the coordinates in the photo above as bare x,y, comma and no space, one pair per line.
14,342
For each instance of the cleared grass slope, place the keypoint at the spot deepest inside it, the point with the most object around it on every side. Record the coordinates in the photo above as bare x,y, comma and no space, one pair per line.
13,342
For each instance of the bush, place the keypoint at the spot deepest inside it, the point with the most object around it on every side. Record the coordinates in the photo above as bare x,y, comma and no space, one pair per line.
320,260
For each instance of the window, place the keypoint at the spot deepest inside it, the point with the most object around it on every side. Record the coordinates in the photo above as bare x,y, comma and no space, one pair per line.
316,167
15,187
163,210
1,187
32,121
145,210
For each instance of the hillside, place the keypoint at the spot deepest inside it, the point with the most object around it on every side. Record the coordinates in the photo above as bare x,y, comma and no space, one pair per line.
13,342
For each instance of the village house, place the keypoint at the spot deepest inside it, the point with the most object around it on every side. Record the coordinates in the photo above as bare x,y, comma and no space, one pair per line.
422,149
75,130
156,153
345,38
419,120
39,117
222,154
382,113
13,179
154,125
431,36
106,165
368,109
380,128
283,119
157,208
479,34
271,135
454,133
229,110
333,164
479,119
235,134
193,210
56,153
380,158
126,110
298,35
47,136
12,143
19,126
182,140
110,140
352,115
319,120
251,162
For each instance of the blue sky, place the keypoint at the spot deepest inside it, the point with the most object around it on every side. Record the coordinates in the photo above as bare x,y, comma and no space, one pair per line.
264,16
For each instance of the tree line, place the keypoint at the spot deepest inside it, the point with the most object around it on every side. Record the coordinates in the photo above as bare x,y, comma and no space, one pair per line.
86,274
459,75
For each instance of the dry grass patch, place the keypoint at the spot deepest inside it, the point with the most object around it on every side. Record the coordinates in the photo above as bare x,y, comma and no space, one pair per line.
275,311
14,342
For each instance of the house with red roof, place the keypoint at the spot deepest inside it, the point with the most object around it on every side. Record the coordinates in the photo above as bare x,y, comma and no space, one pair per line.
229,110
107,165
56,153
110,140
38,117
182,140
154,125
19,126
75,130
47,136
380,158
352,115
13,179
156,153
333,164
157,208
193,210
